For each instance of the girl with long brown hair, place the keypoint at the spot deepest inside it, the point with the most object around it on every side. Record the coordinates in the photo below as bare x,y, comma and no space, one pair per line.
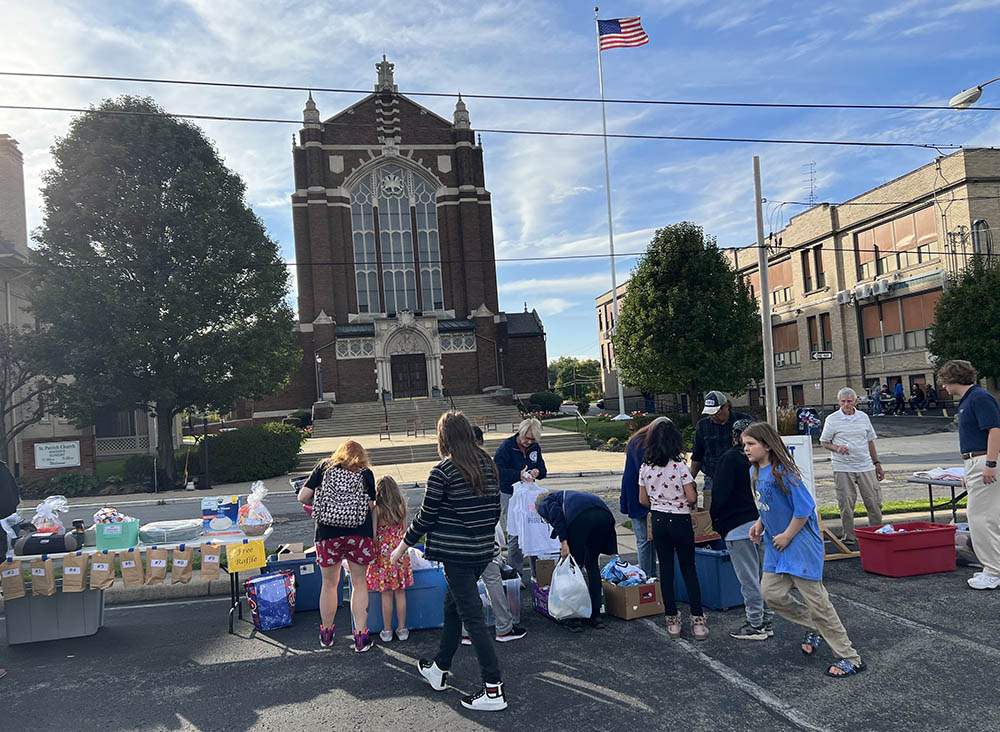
459,514
794,552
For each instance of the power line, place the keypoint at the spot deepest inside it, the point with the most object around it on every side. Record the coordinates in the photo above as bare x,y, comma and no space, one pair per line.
506,97
545,133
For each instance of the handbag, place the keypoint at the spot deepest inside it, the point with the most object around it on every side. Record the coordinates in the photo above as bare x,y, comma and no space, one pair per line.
341,500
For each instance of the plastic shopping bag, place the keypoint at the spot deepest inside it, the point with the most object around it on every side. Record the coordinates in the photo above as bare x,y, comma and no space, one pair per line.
568,595
254,518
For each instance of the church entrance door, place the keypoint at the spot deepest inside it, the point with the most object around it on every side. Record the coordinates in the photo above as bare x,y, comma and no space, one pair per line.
409,376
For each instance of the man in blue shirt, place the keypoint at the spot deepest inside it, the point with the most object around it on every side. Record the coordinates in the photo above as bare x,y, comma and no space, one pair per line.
979,443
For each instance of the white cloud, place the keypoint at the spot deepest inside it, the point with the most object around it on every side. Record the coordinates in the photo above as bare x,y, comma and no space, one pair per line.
549,306
575,283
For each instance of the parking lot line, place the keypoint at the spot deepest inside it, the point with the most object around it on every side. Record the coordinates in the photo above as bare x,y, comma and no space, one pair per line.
734,677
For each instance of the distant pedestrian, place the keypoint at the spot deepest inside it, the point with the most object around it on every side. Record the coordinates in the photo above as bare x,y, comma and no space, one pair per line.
390,580
876,397
979,443
519,459
628,502
900,397
733,513
848,434
585,528
931,396
917,398
667,487
713,436
457,519
793,549
341,490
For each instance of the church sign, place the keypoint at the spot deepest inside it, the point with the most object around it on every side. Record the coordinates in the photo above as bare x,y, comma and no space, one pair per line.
57,454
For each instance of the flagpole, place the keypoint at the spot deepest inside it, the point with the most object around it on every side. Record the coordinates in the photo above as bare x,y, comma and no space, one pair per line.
611,229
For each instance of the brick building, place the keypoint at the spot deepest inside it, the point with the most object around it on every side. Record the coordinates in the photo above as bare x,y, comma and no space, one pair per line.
861,279
397,288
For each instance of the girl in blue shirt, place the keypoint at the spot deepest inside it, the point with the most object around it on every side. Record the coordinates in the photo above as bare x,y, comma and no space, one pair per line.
794,552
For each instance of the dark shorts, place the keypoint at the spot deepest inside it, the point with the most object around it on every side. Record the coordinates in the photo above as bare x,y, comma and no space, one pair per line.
357,549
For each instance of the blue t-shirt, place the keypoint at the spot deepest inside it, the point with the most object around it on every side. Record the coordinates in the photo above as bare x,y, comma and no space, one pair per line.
803,557
978,413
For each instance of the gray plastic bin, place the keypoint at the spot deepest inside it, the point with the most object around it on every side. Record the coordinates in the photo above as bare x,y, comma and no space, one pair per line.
31,619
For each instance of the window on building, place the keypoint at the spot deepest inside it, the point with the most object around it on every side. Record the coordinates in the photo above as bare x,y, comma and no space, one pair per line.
918,317
399,206
813,329
600,321
807,280
785,343
798,395
892,325
780,281
982,239
826,332
864,253
782,393
903,242
925,225
819,269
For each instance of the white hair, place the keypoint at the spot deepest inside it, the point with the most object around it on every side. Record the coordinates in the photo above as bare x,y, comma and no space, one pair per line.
532,427
847,392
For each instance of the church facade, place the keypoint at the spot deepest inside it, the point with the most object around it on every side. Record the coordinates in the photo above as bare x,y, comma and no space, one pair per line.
397,287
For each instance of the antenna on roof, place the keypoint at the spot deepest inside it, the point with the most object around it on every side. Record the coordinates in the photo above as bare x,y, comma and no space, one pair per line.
811,178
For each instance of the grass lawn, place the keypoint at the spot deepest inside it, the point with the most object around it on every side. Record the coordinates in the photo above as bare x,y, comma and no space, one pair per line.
603,430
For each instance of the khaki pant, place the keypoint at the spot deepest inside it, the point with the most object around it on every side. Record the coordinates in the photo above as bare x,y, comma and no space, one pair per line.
848,486
984,516
816,614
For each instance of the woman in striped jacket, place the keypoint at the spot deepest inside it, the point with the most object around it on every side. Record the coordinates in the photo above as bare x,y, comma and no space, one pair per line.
459,514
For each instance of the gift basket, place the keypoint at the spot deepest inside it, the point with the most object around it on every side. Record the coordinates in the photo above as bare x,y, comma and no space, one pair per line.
254,518
115,530
46,518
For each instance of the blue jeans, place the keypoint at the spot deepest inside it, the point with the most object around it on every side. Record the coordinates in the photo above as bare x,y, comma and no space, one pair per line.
645,547
748,562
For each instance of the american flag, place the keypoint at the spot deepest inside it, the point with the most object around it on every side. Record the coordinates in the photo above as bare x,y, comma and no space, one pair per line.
621,32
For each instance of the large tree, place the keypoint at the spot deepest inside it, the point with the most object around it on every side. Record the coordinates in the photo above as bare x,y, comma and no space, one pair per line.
157,286
967,318
688,322
24,391
575,378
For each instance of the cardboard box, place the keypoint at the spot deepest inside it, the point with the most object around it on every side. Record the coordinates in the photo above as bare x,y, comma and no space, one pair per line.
543,571
703,530
294,550
220,515
637,601
540,597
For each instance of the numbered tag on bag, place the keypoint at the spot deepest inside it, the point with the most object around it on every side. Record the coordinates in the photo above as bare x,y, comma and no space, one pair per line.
100,566
71,570
128,563
209,558
180,562
157,562
10,572
37,571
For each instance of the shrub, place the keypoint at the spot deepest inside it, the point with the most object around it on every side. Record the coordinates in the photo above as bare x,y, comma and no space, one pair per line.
546,401
687,432
250,453
138,469
68,484
304,416
583,404
293,421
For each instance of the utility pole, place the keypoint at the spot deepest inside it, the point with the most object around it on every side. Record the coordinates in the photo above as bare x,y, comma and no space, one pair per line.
770,396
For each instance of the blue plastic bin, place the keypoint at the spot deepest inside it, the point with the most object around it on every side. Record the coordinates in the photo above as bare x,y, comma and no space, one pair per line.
424,602
720,590
308,581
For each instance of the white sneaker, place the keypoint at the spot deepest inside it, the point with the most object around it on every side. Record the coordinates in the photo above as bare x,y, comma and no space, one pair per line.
437,678
385,635
488,699
983,581
403,633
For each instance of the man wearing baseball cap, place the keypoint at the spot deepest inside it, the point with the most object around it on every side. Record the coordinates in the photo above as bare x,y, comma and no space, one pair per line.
713,437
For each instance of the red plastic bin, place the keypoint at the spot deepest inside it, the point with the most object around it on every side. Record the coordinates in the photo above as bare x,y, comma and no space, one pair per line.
924,548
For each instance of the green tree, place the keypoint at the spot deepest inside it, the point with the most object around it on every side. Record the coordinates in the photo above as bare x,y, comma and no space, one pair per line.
575,378
157,286
24,392
967,319
688,322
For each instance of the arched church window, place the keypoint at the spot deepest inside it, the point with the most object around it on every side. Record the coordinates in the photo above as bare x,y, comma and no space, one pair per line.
396,207
982,238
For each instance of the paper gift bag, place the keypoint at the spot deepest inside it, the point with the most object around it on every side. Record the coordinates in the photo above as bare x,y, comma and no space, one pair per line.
156,566
102,570
210,554
180,572
43,578
11,580
75,572
132,574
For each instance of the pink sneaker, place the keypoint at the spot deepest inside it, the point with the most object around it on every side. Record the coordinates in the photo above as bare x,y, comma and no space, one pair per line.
325,636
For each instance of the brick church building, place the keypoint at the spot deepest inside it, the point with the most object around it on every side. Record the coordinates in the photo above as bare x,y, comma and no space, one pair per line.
397,286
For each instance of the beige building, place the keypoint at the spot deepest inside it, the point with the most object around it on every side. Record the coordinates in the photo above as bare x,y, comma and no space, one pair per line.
861,279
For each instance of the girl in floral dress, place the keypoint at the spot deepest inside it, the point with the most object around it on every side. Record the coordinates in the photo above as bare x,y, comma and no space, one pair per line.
391,580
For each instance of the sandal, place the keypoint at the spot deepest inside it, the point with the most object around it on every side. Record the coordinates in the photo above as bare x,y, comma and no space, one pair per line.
849,669
814,641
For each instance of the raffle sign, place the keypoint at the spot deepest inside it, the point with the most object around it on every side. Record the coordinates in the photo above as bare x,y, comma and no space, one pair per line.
248,555
57,455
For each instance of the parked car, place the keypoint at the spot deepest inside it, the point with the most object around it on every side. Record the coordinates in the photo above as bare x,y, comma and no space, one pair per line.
569,408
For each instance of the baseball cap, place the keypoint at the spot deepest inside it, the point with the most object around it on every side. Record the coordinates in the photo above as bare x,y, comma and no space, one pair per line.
714,401
740,425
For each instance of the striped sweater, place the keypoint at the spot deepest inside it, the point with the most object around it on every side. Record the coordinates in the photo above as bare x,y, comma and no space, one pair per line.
459,525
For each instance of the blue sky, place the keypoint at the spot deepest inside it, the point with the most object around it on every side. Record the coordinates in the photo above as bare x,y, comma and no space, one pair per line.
548,194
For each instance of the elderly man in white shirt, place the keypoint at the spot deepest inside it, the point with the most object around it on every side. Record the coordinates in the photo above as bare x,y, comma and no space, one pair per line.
849,436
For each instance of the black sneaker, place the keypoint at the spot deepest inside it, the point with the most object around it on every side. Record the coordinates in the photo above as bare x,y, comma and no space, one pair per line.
516,632
488,699
769,628
749,632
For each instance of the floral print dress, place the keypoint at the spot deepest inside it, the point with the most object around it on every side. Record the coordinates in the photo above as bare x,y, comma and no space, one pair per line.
382,576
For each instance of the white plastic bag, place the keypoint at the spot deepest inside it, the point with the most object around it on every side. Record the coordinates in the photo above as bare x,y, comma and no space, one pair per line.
568,594
254,518
46,518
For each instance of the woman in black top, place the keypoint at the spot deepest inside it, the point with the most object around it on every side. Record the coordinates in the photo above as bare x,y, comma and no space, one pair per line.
341,490
458,517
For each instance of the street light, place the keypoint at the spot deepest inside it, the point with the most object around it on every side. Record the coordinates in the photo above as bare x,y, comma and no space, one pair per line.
319,377
966,98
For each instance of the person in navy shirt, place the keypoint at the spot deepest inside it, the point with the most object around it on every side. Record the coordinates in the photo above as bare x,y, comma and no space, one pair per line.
519,459
793,549
979,443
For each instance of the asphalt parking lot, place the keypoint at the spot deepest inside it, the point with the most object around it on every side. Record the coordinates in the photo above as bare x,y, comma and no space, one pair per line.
930,644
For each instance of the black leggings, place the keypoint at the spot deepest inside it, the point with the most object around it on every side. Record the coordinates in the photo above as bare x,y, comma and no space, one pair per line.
673,532
587,536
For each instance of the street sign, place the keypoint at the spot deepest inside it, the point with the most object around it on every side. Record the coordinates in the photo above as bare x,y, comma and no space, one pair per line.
821,355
